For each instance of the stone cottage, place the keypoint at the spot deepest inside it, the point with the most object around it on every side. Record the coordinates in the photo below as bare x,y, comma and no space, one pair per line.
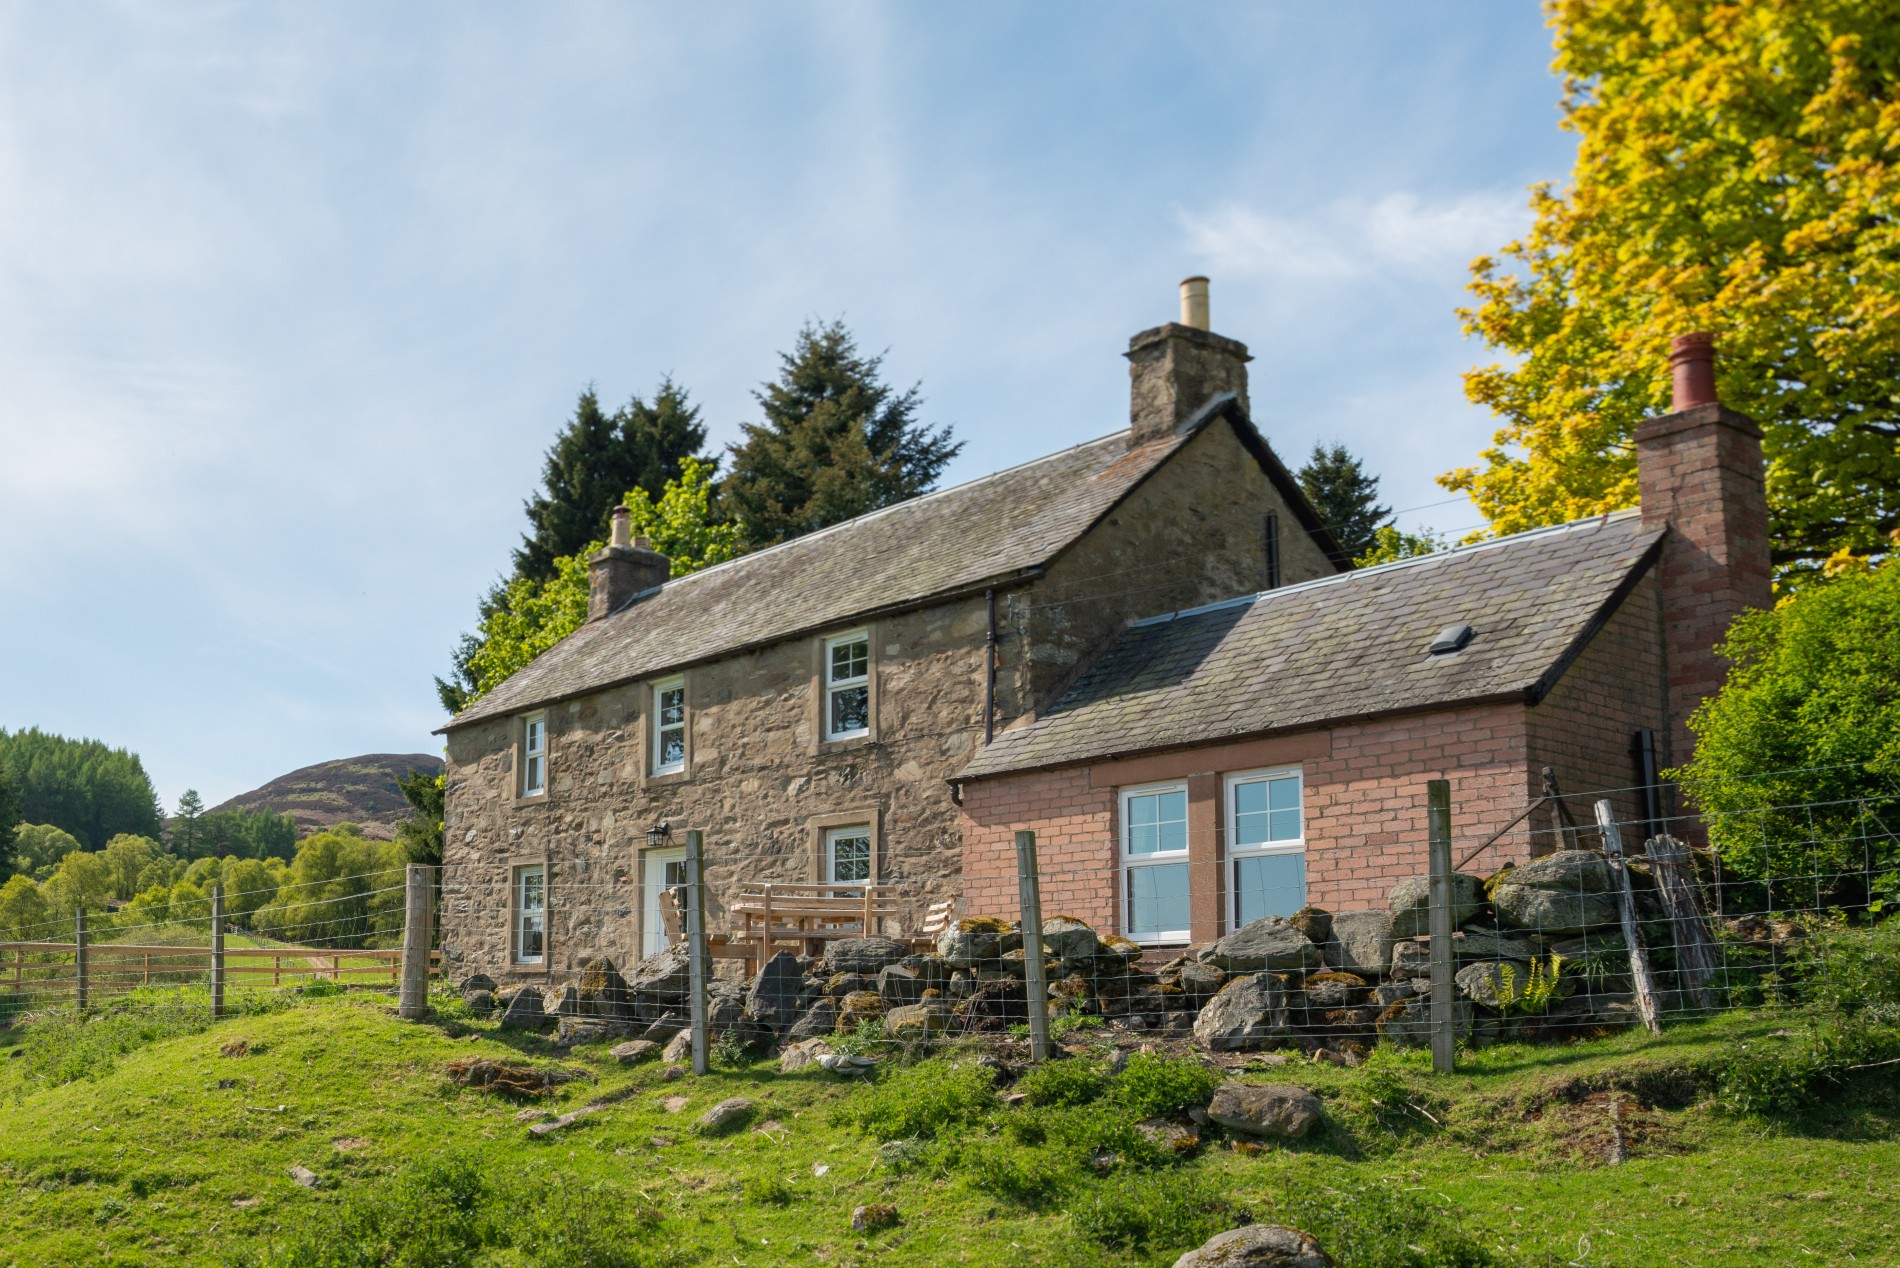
808,706
1246,758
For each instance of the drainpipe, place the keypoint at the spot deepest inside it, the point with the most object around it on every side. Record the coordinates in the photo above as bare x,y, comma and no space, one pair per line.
989,668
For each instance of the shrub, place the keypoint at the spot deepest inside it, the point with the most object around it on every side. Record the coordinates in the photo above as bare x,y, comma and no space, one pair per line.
1062,1083
1784,1079
1017,1175
1152,1213
1152,1084
1860,969
1100,1137
768,1191
927,1098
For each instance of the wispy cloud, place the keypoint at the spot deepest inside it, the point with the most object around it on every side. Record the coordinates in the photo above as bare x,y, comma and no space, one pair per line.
1398,233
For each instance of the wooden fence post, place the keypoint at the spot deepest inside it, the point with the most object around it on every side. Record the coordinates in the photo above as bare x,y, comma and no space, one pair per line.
81,996
1626,904
1035,980
418,920
696,961
217,951
1438,840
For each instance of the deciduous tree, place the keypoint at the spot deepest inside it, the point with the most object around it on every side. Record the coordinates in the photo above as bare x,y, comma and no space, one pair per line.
1738,171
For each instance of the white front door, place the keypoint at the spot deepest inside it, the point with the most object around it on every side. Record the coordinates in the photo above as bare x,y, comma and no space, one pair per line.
665,869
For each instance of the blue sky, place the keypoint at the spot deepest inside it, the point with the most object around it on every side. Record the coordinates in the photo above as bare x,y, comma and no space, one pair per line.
292,298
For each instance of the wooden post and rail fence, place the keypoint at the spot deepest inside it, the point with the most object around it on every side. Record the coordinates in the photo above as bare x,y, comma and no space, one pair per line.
92,971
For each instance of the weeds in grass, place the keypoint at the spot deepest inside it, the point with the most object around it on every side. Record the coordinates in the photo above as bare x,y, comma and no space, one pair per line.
1151,1085
769,1191
1779,1079
1153,1213
866,1039
1017,1175
730,1051
926,1099
1378,1228
449,1212
67,1045
1073,1082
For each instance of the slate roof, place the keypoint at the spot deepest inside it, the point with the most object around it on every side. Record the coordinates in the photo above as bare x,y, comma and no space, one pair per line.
989,530
1343,647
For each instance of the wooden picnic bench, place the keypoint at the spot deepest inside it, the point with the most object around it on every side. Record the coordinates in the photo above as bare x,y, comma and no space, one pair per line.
803,917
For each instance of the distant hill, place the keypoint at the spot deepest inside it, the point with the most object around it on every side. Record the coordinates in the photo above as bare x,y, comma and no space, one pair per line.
360,790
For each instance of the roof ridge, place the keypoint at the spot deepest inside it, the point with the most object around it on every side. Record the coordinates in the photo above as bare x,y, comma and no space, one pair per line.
921,498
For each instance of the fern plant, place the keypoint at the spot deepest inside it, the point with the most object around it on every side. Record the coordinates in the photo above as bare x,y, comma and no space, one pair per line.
1540,987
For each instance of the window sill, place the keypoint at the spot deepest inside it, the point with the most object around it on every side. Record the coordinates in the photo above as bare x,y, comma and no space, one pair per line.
532,799
847,743
660,779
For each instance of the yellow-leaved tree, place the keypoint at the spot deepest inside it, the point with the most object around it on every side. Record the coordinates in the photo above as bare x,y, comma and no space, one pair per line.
1738,171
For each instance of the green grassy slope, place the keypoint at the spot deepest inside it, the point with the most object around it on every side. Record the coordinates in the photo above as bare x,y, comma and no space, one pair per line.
177,1153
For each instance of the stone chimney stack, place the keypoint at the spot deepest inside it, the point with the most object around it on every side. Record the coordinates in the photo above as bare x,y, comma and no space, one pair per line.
1176,369
623,568
1699,469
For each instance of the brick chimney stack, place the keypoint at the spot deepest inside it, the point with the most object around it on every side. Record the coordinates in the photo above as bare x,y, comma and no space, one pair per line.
1699,469
1177,368
623,568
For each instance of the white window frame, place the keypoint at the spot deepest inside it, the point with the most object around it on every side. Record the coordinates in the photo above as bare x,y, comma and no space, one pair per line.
1130,861
843,833
1236,851
520,914
661,726
534,754
835,685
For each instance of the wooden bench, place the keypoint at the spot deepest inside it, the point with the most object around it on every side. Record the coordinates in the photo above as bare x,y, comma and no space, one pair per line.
803,917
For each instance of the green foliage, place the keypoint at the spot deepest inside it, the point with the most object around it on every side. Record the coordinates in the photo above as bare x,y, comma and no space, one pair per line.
529,616
92,791
1373,1227
248,834
1860,971
1072,1082
1540,989
81,880
65,1045
1778,1077
420,835
38,848
1346,498
182,832
24,915
1140,1212
1018,1175
9,819
836,443
1734,174
867,1039
1391,543
593,463
1152,1084
451,1212
342,890
126,857
1797,759
926,1099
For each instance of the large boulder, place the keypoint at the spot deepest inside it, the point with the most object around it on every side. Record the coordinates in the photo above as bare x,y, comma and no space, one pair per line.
1567,892
863,955
1198,981
917,1021
996,1004
773,999
1257,1246
899,985
478,982
859,1006
1067,938
1411,903
1247,1012
1489,944
1268,943
1408,1023
1334,990
1273,1109
663,976
968,942
1361,942
796,1056
1315,922
602,992
525,1011
820,1019
1493,983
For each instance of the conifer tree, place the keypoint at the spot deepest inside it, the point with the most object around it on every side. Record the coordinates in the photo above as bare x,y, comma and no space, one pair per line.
1346,498
836,442
595,461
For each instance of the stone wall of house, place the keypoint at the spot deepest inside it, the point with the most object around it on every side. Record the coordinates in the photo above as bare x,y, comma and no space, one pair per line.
757,780
1193,533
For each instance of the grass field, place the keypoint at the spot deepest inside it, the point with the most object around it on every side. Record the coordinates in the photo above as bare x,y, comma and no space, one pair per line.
153,1136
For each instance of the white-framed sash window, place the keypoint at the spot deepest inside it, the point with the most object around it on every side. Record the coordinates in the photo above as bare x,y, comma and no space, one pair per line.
531,914
534,754
848,854
669,726
848,686
1266,845
1155,863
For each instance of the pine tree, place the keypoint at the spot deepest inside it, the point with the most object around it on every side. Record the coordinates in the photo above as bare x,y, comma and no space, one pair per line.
836,443
420,836
595,461
9,818
1346,498
183,834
